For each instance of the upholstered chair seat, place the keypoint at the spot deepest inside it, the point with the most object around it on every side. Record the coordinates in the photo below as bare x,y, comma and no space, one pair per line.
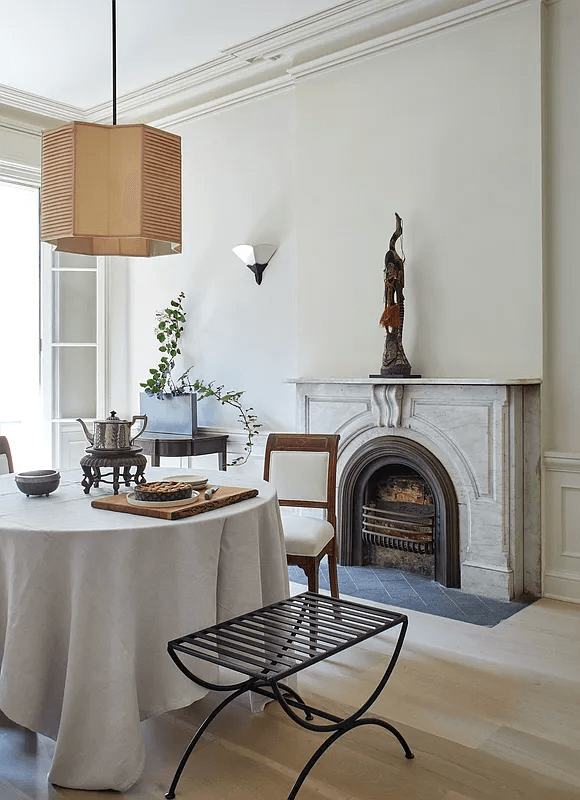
306,536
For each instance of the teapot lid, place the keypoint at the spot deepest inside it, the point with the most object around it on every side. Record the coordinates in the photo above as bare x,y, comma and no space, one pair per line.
114,418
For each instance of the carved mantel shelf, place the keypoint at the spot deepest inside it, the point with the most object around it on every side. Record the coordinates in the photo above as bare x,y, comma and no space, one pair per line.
423,381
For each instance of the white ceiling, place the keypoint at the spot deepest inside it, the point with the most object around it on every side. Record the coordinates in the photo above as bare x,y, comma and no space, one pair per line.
61,49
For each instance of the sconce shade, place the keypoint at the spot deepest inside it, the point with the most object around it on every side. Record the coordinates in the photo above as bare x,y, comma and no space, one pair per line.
256,257
111,190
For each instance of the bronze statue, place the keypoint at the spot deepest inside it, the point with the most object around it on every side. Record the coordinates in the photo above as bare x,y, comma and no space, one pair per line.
394,359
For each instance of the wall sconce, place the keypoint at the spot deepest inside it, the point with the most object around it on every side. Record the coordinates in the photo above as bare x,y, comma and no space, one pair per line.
256,257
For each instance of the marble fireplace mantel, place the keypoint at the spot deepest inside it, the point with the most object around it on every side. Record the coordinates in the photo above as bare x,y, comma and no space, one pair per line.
485,433
427,381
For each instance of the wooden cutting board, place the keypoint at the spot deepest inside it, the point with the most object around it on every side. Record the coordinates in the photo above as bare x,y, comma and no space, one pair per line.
225,496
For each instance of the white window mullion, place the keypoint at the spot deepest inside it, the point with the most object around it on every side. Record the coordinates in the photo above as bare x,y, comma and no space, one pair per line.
46,359
74,352
103,344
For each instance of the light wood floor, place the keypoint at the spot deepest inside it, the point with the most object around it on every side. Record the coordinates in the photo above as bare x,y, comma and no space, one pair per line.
491,714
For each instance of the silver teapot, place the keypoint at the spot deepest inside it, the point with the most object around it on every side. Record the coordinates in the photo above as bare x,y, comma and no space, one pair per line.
113,433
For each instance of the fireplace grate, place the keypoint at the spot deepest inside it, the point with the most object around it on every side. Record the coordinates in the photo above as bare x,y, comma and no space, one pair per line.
399,529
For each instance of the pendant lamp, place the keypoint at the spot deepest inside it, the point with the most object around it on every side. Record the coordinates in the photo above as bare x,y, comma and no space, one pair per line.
111,190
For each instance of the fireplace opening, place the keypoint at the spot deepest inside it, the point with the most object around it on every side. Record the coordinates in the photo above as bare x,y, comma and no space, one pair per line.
397,507
397,521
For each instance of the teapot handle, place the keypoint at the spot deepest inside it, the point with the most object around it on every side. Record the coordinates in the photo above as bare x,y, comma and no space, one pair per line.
144,418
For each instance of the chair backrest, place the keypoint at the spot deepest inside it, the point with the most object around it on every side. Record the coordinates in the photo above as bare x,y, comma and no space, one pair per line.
302,467
5,457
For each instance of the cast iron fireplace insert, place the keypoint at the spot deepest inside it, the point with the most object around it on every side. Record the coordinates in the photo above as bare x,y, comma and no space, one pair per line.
399,452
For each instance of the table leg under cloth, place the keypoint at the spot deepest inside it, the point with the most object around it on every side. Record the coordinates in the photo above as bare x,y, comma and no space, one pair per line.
274,643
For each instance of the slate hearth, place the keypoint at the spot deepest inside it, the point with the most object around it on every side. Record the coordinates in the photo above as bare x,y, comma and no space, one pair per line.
416,592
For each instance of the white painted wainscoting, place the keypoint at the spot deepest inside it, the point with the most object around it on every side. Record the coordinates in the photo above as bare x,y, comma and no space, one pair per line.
562,524
485,433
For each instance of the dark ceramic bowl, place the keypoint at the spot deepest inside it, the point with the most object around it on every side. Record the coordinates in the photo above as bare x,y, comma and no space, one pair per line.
38,481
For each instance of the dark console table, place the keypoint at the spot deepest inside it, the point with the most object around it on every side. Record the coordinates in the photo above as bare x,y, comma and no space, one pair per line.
174,445
272,643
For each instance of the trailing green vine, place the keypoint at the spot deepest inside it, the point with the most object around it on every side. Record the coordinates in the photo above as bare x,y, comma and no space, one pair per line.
168,330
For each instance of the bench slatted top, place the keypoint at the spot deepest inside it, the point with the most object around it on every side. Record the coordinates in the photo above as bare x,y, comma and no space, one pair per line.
280,639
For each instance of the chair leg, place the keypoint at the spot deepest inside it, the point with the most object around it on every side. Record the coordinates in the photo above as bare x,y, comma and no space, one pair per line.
311,569
333,573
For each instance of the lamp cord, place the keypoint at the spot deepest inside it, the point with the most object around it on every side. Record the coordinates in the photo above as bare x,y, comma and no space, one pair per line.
114,24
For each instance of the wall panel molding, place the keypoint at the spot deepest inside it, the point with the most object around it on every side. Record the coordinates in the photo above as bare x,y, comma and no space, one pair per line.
570,521
561,462
562,542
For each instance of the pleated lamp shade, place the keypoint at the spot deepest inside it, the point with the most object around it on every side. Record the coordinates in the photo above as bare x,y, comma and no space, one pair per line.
111,190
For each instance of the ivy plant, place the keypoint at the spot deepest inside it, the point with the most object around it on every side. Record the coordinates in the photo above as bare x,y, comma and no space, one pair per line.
168,330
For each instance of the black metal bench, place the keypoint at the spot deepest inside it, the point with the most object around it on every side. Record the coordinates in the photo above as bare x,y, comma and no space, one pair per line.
279,640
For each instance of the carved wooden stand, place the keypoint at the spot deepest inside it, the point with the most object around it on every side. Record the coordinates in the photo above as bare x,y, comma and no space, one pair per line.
92,465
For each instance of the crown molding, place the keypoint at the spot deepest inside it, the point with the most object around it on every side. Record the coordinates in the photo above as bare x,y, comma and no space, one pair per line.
253,60
287,54
347,31
39,107
431,26
323,24
362,20
18,126
169,90
183,93
273,86
22,174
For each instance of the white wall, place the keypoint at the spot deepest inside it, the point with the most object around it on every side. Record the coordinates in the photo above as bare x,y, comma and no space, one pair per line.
19,146
436,130
447,132
563,185
237,189
562,386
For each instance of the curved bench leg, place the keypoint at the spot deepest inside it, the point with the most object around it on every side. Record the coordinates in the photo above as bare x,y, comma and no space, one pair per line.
200,731
332,739
297,697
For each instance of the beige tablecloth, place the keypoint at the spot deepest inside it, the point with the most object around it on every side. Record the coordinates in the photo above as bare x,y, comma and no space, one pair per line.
89,599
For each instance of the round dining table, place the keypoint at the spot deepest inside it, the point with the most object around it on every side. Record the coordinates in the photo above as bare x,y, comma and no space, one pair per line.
89,599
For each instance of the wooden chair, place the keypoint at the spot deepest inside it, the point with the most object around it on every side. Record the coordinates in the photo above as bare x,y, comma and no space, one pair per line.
6,464
302,467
